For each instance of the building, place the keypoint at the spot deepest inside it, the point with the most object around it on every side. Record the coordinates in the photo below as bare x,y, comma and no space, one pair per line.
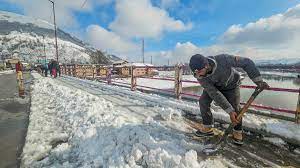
140,69
103,71
11,63
117,65
2,65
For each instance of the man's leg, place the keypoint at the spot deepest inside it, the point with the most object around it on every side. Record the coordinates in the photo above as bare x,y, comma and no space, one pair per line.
233,96
207,117
204,103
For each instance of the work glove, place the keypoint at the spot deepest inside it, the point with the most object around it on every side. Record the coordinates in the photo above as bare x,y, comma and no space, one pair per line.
262,84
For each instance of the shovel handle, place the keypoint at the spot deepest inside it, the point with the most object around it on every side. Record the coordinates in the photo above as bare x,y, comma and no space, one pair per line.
242,112
248,103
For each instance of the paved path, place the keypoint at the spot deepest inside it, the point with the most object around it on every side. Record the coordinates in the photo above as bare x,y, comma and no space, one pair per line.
13,119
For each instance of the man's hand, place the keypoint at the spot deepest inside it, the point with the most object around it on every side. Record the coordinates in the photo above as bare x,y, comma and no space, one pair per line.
262,84
233,118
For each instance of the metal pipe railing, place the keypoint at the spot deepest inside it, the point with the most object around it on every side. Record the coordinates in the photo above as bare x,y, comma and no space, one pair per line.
75,69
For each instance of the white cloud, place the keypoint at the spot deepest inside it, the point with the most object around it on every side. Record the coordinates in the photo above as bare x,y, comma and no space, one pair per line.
63,9
138,18
183,51
275,37
281,29
109,41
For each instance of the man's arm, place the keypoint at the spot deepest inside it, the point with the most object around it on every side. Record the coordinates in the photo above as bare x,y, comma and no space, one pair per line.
216,95
246,64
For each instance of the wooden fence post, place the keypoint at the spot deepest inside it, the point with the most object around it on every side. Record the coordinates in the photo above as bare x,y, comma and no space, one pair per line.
108,75
94,71
178,81
297,114
65,66
69,73
84,71
133,79
75,70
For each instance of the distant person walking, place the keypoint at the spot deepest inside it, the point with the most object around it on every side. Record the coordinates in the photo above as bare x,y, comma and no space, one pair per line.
54,68
19,69
45,69
50,67
42,69
58,68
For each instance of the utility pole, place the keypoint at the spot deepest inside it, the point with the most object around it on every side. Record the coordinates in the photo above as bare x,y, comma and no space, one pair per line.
143,43
151,59
44,49
54,30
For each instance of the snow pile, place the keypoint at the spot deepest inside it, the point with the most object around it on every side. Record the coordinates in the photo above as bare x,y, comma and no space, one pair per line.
169,113
72,128
275,141
7,72
284,129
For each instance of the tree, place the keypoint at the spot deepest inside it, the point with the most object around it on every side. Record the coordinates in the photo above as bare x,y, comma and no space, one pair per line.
99,58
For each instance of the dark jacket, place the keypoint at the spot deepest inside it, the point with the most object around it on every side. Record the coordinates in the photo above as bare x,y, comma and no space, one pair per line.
225,77
19,67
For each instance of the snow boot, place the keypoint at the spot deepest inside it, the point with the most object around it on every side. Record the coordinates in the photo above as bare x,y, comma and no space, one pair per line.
237,137
204,132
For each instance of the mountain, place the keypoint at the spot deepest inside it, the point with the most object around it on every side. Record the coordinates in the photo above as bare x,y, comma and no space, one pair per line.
283,61
25,37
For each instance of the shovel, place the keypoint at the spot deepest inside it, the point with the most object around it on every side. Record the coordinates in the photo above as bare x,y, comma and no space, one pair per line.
209,149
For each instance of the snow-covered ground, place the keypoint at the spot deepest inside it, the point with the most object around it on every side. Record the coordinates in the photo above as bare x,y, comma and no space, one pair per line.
80,123
7,72
70,127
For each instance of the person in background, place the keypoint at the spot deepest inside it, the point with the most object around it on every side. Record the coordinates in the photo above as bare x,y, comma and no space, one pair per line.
58,69
46,69
19,69
50,68
42,69
54,69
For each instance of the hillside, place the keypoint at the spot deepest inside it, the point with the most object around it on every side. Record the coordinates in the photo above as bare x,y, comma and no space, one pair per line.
25,37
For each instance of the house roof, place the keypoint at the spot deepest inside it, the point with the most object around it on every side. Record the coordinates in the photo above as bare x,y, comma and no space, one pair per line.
119,62
135,64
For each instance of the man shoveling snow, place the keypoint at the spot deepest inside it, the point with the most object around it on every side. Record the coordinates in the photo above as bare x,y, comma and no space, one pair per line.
221,82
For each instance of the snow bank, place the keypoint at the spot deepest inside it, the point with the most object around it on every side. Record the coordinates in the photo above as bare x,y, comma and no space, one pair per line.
7,72
72,128
284,129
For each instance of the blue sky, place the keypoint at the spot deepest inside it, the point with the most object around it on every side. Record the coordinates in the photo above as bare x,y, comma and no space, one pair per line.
203,23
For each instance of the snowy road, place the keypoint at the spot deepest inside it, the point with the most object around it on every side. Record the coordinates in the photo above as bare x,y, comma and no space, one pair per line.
88,124
14,112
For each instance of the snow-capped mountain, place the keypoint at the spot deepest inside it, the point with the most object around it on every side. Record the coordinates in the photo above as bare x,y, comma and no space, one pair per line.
25,37
283,61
